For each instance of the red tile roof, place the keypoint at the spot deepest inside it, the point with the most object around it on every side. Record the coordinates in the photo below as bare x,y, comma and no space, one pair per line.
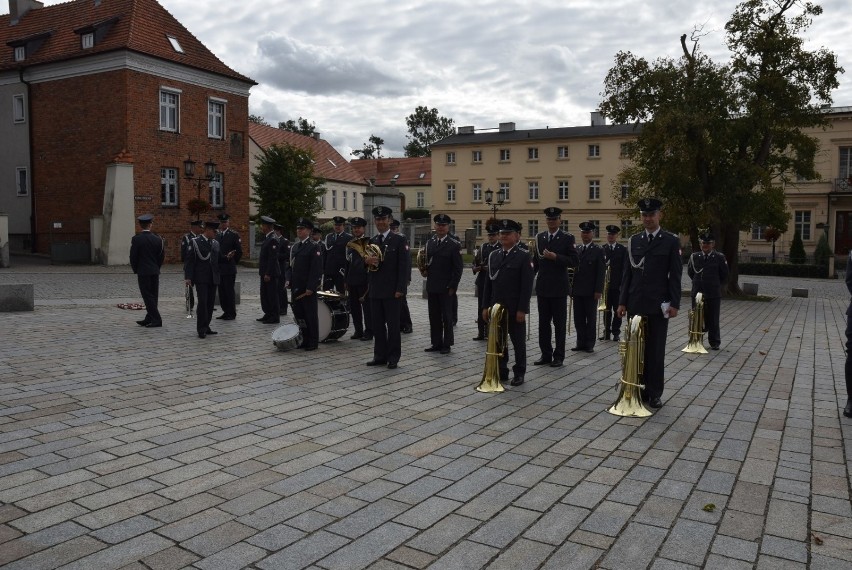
412,171
142,26
328,163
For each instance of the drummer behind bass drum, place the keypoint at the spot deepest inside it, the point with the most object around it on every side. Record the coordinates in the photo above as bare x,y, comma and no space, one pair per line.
306,273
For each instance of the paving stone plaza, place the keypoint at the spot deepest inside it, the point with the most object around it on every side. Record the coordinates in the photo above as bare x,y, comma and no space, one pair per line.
126,447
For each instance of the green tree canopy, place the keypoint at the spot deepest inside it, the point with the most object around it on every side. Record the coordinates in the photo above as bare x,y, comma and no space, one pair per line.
372,149
426,126
719,142
302,126
258,119
285,186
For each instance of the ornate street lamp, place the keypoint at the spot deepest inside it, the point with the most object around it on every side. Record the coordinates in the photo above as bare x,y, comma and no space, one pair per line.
495,205
198,205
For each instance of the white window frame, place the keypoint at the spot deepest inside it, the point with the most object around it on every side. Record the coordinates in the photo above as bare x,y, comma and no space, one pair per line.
22,181
19,108
594,189
345,200
802,221
451,157
562,190
505,187
533,188
334,199
87,40
597,231
562,153
532,228
594,151
476,190
170,110
217,191
757,231
355,201
216,118
505,154
420,199
625,190
451,192
477,226
169,187
322,202
20,53
563,225
845,162
532,153
476,156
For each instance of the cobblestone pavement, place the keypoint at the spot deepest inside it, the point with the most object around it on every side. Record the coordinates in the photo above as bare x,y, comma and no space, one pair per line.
124,447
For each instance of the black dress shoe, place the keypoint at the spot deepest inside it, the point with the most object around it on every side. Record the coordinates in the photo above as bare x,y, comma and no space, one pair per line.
153,325
220,317
367,337
445,350
357,335
556,364
542,361
211,332
142,323
202,335
589,350
392,365
480,337
576,349
847,411
261,319
377,362
271,321
406,330
432,349
517,381
615,339
604,337
714,347
656,403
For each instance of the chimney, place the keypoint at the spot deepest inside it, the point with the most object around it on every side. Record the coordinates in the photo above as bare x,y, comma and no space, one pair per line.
316,136
598,119
17,9
507,127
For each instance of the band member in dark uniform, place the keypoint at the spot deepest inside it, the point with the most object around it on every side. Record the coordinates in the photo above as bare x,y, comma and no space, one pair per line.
588,288
708,270
615,255
270,273
305,281
443,272
651,288
185,245
147,252
388,286
356,283
335,255
510,282
456,239
232,251
201,269
847,411
555,254
405,324
283,267
480,269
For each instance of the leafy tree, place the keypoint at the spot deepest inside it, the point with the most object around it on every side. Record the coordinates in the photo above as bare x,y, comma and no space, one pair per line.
259,120
415,214
823,252
718,142
302,127
285,186
797,249
371,150
426,126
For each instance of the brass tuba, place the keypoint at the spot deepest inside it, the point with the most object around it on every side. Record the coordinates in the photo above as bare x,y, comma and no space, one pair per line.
497,340
365,249
695,345
631,348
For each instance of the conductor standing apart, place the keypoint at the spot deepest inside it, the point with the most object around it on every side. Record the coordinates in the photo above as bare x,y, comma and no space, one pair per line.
708,270
232,251
270,273
588,288
615,256
201,269
651,288
305,281
443,273
147,253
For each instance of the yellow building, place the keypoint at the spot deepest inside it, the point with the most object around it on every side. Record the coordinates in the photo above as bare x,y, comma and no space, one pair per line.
577,169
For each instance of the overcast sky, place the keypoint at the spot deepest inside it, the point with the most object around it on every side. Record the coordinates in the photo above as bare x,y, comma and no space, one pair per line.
360,67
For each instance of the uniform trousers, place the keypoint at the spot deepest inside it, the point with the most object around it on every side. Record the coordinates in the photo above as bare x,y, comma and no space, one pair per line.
552,309
269,298
481,305
227,295
612,322
206,297
404,313
385,319
441,319
336,281
149,288
306,314
585,320
518,335
360,310
656,331
848,369
712,309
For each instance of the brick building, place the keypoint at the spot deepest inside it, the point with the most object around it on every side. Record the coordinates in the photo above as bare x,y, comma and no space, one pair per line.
101,104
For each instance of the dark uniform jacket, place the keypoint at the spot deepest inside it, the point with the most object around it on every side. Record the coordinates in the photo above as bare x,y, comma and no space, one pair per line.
186,243
444,265
305,267
652,275
589,278
147,253
202,261
284,257
509,280
616,256
335,252
484,252
708,272
229,241
356,269
268,259
394,271
552,280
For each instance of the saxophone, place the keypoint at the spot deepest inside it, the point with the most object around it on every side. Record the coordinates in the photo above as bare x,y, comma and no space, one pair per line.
497,340
631,348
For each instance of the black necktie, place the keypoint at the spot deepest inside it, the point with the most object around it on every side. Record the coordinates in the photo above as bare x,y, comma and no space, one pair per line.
381,238
550,238
505,254
650,238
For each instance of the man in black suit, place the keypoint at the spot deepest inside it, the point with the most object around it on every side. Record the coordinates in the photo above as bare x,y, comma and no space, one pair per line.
708,270
270,273
555,254
614,257
388,285
201,269
185,247
356,284
305,281
510,282
283,267
335,255
443,273
147,252
588,288
405,325
480,269
231,247
651,288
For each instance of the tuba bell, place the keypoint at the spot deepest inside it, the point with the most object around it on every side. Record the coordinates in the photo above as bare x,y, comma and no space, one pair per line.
497,339
365,249
695,345
631,348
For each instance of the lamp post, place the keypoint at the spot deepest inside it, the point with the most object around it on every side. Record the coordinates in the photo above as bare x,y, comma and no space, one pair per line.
494,205
189,174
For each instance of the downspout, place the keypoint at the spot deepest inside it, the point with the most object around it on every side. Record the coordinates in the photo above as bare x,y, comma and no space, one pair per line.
30,159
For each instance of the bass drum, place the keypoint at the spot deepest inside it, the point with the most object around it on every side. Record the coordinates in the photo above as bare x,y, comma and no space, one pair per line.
332,316
287,337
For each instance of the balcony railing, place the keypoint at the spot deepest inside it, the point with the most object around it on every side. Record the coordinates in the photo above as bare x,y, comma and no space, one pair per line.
843,184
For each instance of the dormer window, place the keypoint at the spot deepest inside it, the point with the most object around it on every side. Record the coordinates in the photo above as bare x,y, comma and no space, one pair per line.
93,34
88,40
175,44
20,53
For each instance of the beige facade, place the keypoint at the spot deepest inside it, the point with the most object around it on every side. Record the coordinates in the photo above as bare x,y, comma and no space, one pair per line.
577,169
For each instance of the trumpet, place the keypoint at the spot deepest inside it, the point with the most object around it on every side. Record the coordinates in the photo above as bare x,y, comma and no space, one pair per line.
632,351
695,345
497,340
602,303
365,249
